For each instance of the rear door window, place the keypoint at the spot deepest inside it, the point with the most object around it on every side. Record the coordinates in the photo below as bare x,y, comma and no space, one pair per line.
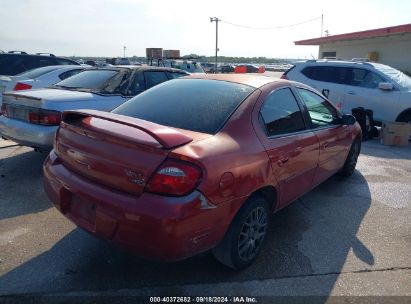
39,61
280,113
365,78
154,78
327,73
201,105
13,64
321,112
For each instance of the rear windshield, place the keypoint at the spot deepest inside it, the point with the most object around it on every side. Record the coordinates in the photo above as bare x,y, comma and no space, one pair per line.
38,72
91,79
200,105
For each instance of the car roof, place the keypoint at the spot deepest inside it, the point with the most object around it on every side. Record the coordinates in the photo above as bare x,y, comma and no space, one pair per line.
35,55
138,67
335,62
255,81
62,66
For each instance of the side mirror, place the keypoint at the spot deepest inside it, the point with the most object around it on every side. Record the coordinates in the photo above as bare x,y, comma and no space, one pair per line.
348,119
325,92
385,86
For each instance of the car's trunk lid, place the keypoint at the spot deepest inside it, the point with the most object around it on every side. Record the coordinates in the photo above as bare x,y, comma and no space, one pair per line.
115,150
19,105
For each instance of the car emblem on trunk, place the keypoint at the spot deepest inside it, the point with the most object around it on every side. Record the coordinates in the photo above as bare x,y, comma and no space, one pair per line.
136,177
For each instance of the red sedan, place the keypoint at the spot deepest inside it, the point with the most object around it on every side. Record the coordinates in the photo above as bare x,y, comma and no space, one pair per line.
197,163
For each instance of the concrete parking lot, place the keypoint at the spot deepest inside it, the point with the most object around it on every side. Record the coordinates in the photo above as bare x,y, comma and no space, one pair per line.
347,237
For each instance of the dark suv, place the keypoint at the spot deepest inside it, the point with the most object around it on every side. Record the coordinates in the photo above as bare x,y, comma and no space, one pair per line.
15,63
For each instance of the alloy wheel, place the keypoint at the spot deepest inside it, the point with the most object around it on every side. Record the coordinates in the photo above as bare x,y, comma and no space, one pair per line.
252,234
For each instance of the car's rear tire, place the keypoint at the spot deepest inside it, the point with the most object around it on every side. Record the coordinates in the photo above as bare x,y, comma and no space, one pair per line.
245,236
405,117
351,161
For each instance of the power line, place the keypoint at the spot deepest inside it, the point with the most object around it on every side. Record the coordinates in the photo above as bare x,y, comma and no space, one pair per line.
273,27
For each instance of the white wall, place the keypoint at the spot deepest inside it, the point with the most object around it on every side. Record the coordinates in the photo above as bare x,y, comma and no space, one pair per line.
392,50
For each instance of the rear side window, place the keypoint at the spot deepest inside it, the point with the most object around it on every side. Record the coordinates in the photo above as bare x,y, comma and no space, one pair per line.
154,78
200,105
327,73
281,114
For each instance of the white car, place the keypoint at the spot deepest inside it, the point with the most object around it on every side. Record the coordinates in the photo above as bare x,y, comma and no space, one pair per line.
32,117
351,84
37,78
189,66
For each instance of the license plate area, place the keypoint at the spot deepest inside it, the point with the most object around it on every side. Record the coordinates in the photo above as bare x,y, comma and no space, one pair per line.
82,208
16,112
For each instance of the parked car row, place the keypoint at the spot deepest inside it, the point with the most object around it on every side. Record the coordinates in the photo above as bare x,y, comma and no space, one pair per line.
31,117
190,66
169,165
230,68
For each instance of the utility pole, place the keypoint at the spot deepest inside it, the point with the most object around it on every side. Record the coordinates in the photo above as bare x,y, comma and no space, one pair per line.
322,24
124,51
212,19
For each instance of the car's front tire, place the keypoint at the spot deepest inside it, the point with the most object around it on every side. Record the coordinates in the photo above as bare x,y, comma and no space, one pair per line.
246,234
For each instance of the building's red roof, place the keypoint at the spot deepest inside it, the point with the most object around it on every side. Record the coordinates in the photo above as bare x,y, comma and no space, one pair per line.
386,31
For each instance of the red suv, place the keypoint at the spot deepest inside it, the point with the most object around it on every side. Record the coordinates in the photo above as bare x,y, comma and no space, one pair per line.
197,163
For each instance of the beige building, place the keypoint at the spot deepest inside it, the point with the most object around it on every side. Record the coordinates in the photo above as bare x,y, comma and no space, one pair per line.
390,45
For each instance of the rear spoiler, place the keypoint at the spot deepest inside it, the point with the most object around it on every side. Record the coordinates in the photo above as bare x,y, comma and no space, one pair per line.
166,136
17,96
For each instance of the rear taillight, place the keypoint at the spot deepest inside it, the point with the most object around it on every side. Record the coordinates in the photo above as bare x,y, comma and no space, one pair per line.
284,76
22,86
174,178
44,117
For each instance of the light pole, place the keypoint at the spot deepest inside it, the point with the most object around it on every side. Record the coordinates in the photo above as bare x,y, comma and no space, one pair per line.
212,19
124,51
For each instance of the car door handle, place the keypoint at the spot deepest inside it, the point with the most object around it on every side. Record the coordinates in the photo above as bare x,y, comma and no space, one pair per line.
351,92
281,162
324,146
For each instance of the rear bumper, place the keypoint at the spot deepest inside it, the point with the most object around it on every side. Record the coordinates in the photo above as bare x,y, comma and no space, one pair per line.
152,226
27,134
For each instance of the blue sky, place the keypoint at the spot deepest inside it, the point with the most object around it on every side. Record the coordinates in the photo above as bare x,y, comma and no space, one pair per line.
103,27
